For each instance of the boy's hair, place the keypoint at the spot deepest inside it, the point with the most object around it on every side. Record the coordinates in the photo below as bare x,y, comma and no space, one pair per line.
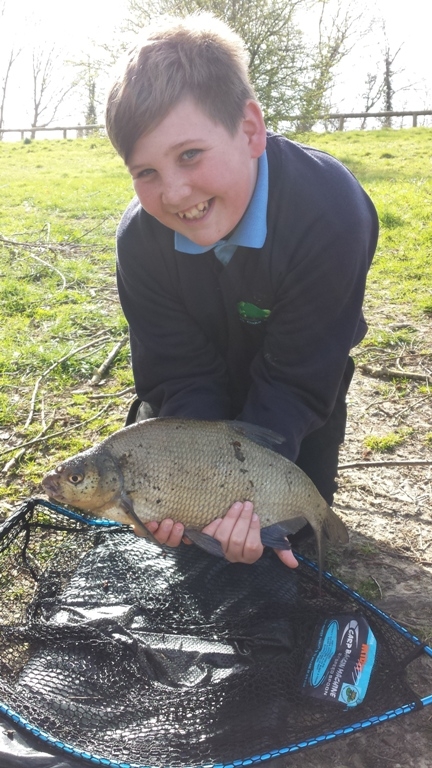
198,57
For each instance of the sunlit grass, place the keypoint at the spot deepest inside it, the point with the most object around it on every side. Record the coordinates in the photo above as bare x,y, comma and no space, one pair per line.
386,443
395,168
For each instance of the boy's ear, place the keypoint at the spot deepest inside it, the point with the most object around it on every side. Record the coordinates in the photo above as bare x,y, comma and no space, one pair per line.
254,127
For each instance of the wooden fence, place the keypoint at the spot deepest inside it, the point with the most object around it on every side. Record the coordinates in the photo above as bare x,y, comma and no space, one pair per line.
81,130
341,117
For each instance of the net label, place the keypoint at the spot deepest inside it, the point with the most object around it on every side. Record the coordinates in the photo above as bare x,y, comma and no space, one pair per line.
340,663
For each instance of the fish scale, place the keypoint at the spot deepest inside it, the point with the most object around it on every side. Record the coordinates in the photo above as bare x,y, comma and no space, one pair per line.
193,471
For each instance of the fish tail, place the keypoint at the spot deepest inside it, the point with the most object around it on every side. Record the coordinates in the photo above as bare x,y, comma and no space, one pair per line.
334,529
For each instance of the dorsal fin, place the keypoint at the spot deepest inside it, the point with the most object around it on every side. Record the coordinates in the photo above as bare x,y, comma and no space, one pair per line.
259,435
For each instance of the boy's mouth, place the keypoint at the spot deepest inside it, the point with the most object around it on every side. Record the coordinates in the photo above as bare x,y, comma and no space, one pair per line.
196,211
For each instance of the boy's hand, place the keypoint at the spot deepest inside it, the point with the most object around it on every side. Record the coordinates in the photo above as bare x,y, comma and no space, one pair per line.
238,532
166,532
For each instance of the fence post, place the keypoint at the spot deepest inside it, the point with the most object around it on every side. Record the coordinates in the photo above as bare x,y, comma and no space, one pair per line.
341,123
414,120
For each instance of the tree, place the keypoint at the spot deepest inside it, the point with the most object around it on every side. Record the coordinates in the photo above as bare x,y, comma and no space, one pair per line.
372,95
339,29
272,39
90,115
89,72
4,82
10,55
48,94
380,86
388,83
289,74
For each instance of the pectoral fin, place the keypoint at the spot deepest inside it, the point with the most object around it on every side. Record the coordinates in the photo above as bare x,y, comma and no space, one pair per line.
139,528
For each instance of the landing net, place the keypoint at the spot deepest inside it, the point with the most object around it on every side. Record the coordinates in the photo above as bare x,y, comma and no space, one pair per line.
116,652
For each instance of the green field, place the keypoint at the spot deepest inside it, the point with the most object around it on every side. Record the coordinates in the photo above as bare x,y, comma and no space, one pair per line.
61,202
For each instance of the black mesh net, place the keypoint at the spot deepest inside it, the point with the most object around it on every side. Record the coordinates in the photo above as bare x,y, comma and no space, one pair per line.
147,656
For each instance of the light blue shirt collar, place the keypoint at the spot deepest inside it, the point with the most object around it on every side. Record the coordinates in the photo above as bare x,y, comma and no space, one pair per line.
251,231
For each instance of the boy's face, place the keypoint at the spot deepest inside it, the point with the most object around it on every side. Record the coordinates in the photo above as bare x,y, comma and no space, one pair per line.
194,176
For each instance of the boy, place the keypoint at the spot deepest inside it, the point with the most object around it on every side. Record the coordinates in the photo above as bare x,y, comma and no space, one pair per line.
241,263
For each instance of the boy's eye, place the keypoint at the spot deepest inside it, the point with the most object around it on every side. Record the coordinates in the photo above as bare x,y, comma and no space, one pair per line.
190,154
145,173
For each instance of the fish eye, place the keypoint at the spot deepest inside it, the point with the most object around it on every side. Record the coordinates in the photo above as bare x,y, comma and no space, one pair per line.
75,478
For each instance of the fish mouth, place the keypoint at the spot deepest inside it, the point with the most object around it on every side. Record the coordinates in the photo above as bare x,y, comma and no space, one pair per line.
51,487
195,212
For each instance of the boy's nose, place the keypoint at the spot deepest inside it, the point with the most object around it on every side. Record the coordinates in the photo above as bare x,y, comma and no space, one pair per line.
176,192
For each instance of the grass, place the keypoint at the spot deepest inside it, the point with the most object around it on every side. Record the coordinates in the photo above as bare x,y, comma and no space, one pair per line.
395,168
368,589
385,443
61,203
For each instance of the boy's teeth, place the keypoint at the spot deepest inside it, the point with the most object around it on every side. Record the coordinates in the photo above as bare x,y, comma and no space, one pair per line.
196,212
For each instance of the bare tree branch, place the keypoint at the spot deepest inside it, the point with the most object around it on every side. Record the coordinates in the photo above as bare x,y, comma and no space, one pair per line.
47,96
10,59
380,86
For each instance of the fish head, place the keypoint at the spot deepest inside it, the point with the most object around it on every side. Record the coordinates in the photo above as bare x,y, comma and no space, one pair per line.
90,481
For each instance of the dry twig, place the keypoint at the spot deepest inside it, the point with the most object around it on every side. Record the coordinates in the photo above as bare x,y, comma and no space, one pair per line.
51,246
50,266
97,340
392,373
103,395
379,588
42,436
401,463
12,462
22,448
100,372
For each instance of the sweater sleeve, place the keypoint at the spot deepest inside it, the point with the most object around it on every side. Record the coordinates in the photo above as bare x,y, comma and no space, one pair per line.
175,367
317,317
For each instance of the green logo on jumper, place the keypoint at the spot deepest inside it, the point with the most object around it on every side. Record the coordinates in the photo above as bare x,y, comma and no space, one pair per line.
249,313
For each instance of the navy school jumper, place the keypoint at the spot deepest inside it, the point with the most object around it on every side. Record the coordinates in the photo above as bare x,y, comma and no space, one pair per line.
195,355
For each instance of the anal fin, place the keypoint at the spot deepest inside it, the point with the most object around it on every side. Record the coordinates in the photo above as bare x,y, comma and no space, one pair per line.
205,542
275,535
